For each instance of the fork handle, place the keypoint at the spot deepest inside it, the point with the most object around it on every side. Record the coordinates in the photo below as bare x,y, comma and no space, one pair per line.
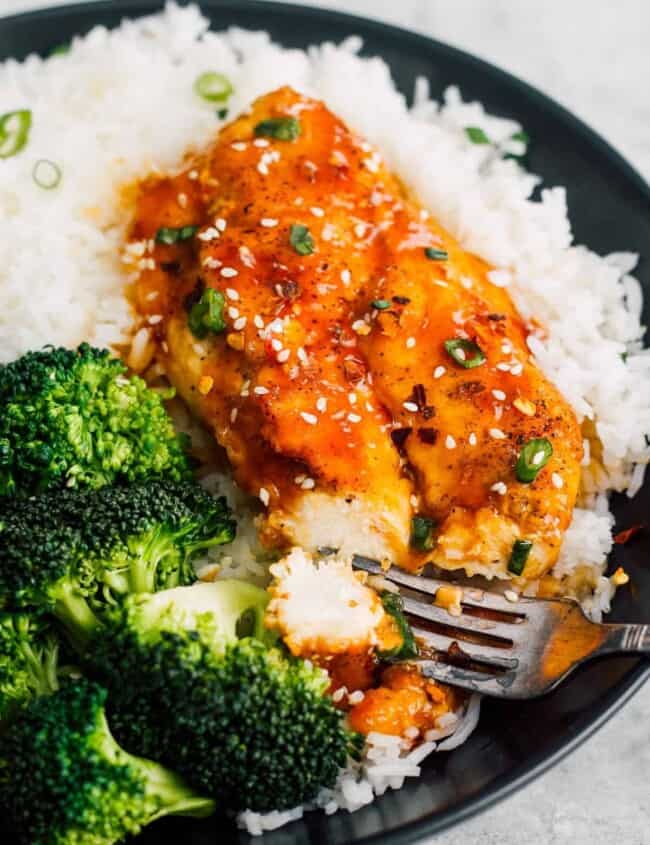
630,639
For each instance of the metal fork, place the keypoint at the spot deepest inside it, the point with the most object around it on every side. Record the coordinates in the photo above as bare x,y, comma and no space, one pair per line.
501,648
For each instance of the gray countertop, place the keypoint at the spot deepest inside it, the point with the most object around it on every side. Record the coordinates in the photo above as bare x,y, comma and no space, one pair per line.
594,58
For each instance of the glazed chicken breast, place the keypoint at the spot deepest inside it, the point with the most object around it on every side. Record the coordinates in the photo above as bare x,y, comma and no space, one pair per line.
368,381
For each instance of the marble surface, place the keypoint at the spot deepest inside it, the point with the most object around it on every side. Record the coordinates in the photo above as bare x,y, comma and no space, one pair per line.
594,58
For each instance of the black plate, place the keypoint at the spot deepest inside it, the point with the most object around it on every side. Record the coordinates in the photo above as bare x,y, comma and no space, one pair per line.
610,210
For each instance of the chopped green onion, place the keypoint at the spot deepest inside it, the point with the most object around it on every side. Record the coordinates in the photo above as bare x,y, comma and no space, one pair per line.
14,131
301,240
465,352
422,533
169,236
46,174
476,135
381,304
59,50
436,254
408,648
222,114
206,315
519,556
521,136
213,87
280,128
533,457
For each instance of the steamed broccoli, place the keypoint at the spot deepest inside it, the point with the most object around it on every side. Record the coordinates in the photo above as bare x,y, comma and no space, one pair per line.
28,661
238,717
72,552
74,418
65,781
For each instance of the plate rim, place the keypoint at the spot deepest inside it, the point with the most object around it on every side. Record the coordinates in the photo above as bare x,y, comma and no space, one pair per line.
634,678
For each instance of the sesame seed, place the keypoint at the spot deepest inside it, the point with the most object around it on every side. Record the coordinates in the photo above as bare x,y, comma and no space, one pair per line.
524,406
338,694
239,324
233,414
193,175
356,697
268,222
538,457
360,230
231,293
220,224
352,398
302,355
209,234
517,369
557,481
338,415
260,142
152,295
211,263
410,406
439,371
264,496
500,278
499,394
154,319
412,732
354,418
240,146
233,312
308,484
497,434
228,272
472,439
299,479
346,276
276,344
317,212
321,404
498,412
466,282
506,348
181,199
199,348
260,390
283,356
246,256
259,322
511,595
450,442
499,488
410,342
244,388
311,419
505,368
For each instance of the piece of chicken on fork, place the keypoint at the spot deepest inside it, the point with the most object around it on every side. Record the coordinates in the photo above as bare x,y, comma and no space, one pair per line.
368,382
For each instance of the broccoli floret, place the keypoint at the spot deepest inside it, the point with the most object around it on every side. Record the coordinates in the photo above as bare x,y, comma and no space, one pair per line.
74,418
65,781
239,718
29,651
73,552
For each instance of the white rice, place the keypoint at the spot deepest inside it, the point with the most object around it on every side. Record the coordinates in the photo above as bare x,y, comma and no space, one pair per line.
121,104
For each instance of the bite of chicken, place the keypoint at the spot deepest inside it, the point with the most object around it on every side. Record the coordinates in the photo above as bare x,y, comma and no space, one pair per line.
359,368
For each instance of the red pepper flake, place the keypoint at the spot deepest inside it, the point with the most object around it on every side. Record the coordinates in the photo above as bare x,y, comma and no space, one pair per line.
625,536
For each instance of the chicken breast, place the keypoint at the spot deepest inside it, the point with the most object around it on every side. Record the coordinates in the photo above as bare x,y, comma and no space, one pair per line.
368,382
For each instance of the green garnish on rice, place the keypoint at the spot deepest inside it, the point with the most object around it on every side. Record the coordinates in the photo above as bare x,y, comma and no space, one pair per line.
280,128
14,131
301,239
213,87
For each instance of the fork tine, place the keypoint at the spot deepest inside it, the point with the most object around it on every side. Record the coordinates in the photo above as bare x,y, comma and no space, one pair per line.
471,595
500,687
473,651
463,624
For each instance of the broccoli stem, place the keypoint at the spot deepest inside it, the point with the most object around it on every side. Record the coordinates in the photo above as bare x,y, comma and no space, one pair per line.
74,613
43,667
169,791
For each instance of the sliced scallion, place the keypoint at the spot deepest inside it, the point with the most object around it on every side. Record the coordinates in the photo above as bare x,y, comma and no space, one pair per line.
213,87
465,352
14,131
206,315
301,240
381,304
436,254
47,174
422,533
59,50
533,457
169,236
476,135
521,136
280,128
519,556
408,647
